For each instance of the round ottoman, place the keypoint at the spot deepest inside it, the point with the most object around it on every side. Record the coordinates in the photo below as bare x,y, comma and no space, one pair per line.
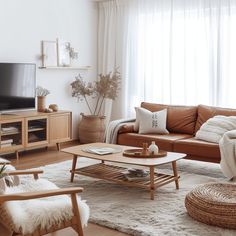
213,204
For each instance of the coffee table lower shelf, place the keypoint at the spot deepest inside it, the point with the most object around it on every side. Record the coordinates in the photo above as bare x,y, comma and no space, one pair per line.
115,174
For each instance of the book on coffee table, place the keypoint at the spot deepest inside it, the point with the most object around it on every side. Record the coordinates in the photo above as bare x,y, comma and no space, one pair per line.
101,150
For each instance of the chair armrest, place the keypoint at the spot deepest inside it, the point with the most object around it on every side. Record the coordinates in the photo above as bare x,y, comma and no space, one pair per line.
127,128
39,194
24,172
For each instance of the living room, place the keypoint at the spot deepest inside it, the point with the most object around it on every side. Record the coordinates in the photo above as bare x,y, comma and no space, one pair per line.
117,117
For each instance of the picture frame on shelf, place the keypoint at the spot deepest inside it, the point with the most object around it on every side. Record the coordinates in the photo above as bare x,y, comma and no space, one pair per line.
63,53
49,53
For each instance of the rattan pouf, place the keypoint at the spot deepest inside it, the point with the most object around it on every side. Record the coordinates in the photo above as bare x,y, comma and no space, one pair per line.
213,204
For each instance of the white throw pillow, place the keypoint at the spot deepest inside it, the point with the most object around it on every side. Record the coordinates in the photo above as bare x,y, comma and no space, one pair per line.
136,124
151,122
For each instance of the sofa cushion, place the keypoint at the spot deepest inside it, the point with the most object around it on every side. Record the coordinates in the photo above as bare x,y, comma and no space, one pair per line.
195,147
151,122
164,141
180,119
207,112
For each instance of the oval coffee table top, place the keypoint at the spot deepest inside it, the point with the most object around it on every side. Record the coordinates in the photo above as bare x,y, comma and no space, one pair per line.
119,158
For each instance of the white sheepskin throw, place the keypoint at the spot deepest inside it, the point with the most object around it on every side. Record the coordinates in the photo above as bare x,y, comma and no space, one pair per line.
214,128
44,212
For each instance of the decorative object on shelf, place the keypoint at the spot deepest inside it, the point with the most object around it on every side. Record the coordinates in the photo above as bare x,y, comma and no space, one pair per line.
48,110
153,148
41,98
57,54
73,54
63,52
54,107
49,53
106,87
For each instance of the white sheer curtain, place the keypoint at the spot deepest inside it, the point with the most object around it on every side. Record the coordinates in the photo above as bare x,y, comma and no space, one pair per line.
174,52
112,35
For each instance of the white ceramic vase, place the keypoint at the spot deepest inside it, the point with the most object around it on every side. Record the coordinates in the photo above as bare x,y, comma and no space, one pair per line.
153,148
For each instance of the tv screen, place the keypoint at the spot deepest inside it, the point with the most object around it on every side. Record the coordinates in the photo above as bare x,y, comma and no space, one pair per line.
17,86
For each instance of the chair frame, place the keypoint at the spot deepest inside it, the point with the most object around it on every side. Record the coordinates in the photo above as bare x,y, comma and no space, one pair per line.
75,222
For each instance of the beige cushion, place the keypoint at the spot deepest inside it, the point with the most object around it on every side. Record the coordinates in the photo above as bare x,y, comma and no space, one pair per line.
151,122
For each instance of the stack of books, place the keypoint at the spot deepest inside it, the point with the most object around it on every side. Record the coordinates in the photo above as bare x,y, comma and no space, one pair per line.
136,174
6,143
9,130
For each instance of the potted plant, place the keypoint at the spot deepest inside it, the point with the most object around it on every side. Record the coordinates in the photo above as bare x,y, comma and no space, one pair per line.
3,174
41,94
92,126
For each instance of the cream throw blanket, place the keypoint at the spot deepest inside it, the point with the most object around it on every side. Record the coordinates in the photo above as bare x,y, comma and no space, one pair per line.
113,128
222,130
228,154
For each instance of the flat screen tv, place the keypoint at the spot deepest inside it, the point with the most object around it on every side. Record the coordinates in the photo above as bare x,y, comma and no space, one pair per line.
17,86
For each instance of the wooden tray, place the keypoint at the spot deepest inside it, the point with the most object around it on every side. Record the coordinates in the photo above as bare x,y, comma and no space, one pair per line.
138,153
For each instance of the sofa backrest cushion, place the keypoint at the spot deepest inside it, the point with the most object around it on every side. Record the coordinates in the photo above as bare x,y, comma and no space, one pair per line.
207,112
180,119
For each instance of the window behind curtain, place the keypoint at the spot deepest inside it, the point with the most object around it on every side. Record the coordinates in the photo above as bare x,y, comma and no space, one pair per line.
182,52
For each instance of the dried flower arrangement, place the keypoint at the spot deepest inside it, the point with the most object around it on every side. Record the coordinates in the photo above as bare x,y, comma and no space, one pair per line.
42,92
106,87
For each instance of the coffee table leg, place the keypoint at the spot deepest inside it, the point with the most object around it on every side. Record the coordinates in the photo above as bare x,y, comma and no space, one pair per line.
152,184
73,168
174,166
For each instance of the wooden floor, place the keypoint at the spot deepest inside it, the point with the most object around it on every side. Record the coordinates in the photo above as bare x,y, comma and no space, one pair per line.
41,157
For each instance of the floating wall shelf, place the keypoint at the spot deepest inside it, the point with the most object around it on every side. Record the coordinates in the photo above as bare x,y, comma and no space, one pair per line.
65,67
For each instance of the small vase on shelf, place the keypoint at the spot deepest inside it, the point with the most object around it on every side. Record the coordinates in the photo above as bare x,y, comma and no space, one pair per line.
153,149
41,103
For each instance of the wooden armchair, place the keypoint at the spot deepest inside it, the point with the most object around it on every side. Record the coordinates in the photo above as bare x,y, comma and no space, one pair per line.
6,219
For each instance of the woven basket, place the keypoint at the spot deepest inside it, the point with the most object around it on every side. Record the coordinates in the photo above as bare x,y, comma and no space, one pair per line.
213,204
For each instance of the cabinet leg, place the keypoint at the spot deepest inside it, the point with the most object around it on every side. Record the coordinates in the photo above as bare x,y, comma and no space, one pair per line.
58,147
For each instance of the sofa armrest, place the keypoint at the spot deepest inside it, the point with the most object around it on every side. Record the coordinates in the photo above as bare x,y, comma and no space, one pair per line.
127,128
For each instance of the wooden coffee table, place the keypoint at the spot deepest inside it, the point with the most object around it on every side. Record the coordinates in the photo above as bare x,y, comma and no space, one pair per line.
107,169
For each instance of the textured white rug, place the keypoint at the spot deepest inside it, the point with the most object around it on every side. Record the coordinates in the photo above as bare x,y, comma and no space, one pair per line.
131,211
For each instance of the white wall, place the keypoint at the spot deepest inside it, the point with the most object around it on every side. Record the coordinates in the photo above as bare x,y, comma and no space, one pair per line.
24,23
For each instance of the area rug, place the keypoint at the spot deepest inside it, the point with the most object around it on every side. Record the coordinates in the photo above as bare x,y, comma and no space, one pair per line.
131,211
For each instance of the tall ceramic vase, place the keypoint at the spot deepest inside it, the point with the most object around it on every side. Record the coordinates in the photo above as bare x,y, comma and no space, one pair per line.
41,103
92,129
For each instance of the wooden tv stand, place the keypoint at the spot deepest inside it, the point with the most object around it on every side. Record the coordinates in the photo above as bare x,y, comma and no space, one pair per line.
27,130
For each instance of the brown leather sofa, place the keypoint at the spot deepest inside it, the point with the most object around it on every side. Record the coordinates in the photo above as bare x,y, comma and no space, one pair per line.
182,123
